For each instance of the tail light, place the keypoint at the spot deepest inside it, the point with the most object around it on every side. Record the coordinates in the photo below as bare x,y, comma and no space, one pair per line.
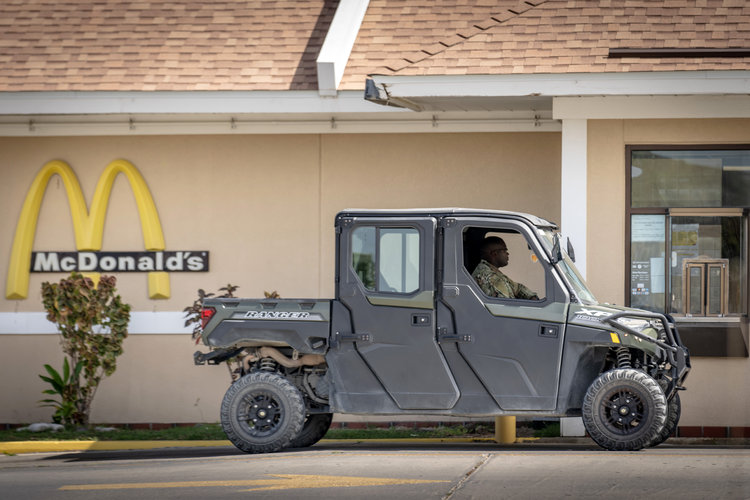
206,314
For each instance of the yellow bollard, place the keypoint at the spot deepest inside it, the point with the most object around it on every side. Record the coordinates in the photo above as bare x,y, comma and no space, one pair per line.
505,429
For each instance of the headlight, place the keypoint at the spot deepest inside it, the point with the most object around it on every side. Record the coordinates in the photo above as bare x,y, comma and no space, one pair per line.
641,326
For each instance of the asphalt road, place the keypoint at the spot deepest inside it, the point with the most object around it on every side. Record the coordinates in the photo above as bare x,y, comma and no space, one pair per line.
377,471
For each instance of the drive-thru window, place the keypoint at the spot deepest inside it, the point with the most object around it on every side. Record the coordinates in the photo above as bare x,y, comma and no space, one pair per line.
688,252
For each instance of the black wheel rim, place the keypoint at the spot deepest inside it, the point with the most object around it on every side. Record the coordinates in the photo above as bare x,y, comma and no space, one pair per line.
623,411
261,413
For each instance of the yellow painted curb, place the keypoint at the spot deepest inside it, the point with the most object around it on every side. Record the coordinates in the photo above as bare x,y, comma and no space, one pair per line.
15,447
52,446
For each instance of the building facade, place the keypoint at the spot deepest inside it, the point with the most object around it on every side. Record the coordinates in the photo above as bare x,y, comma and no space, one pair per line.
251,124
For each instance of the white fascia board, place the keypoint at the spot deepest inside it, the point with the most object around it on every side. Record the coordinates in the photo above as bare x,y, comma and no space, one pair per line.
209,102
651,107
337,47
567,84
141,322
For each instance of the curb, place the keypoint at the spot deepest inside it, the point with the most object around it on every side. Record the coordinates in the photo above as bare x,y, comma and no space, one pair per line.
18,447
14,447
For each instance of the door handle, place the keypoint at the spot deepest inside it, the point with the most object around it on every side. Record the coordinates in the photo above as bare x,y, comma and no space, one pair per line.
339,337
354,337
443,336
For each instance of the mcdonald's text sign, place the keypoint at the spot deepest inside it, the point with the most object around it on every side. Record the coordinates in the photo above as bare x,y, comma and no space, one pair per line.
118,262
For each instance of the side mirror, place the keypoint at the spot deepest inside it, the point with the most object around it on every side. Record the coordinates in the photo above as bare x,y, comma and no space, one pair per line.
571,252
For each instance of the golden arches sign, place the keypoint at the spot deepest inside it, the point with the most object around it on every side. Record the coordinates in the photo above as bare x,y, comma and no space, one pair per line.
87,224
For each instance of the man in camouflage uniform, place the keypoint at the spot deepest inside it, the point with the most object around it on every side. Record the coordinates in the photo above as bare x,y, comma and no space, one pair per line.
494,253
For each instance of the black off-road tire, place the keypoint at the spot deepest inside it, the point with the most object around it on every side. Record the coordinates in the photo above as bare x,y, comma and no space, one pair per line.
624,409
674,410
262,412
316,426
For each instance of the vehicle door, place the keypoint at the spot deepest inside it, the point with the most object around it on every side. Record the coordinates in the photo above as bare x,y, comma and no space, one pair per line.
514,346
387,283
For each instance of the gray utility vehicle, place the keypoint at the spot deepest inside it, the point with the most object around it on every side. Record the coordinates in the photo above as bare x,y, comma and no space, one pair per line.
411,332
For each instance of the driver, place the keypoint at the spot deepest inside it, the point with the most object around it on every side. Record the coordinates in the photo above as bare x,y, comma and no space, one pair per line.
491,280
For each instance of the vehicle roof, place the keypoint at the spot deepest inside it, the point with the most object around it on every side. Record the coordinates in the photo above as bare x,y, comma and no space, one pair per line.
446,212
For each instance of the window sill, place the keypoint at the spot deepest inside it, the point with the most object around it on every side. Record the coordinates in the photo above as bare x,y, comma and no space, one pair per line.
725,337
709,319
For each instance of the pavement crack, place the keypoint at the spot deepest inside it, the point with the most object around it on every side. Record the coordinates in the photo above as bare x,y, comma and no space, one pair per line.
480,463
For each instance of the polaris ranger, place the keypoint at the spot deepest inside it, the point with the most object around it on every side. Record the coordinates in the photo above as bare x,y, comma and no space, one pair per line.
411,332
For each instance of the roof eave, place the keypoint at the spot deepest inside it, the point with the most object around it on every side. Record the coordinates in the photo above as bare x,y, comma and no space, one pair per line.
564,84
181,103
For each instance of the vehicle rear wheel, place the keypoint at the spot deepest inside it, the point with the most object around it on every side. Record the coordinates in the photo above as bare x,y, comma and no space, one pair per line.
674,410
262,412
316,426
624,409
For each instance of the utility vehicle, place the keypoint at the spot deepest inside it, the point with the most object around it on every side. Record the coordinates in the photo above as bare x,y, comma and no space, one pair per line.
410,332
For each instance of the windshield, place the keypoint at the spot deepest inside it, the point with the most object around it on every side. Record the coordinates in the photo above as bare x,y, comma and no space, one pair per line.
568,269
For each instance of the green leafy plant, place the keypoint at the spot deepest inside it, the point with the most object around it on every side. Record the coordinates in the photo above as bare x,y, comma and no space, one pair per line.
93,323
193,317
63,386
193,312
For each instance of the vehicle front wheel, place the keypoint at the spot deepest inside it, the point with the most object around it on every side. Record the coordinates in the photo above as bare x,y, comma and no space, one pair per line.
674,409
262,412
624,409
316,426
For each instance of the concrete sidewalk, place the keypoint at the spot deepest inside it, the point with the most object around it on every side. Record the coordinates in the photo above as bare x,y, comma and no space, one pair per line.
17,447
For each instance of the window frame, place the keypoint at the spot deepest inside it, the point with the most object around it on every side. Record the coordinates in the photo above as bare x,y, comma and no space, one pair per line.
523,232
377,258
669,212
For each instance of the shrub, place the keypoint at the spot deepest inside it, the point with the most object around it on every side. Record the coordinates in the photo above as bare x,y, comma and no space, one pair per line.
92,321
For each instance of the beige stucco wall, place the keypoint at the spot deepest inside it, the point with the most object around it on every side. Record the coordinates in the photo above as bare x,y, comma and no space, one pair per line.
155,381
264,207
717,394
510,171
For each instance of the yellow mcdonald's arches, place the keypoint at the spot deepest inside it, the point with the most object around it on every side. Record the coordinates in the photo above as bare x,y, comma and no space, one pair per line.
88,225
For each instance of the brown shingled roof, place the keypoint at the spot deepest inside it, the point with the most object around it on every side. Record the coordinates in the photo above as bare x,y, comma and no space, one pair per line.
397,33
89,45
575,36
160,45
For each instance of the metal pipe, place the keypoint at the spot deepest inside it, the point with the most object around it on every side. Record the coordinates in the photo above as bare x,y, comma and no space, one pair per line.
276,355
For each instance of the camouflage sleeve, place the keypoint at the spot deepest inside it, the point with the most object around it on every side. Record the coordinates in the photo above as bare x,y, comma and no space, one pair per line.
496,284
524,292
484,280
